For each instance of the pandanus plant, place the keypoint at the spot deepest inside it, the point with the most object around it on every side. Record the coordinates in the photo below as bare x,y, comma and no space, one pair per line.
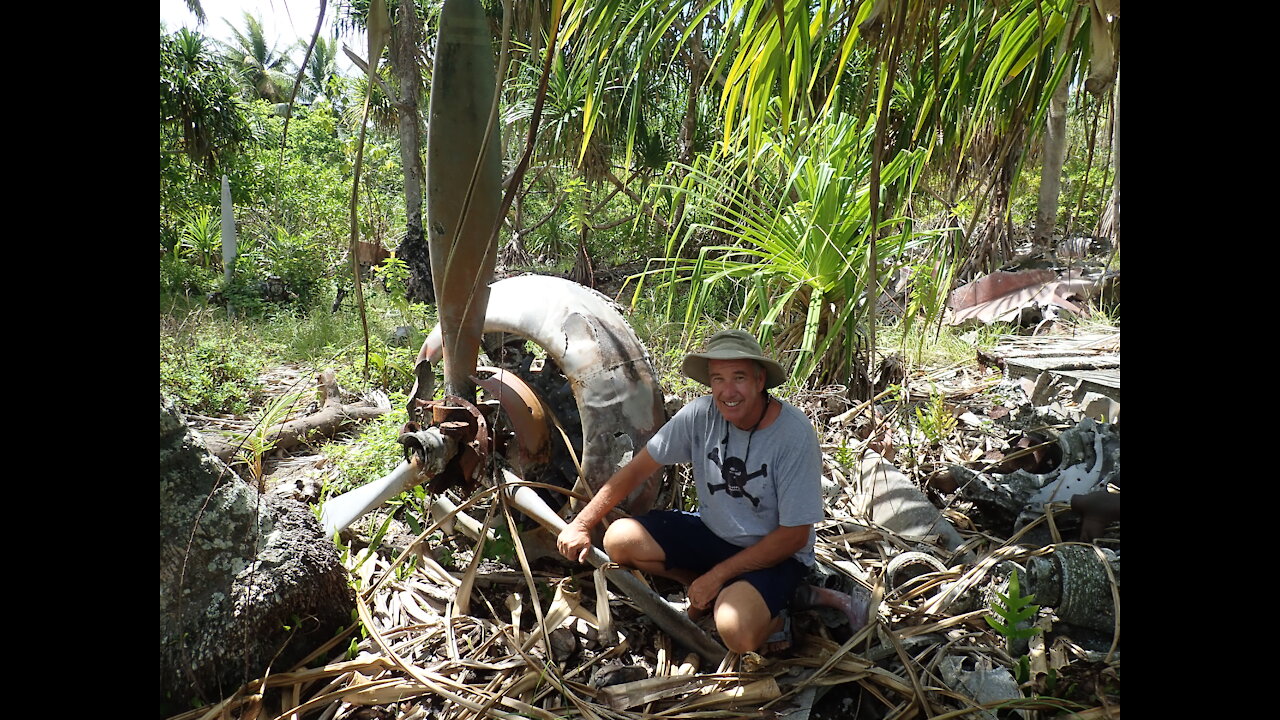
793,237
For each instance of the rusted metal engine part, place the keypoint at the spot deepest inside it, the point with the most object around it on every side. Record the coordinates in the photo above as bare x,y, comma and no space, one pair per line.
525,442
554,390
449,442
466,424
1097,510
464,186
609,374
511,422
1076,580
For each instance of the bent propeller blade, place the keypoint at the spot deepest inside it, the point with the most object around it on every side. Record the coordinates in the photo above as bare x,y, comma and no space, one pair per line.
464,186
339,512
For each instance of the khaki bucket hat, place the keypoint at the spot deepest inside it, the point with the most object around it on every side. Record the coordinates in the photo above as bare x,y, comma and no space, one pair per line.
731,345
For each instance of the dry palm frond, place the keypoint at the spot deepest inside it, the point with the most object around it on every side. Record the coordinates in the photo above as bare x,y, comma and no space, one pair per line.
503,640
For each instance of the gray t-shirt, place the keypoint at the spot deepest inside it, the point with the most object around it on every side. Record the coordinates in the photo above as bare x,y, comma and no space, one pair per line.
746,493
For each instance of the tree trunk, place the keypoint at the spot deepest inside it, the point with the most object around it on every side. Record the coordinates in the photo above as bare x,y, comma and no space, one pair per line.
514,254
248,582
406,38
535,30
1055,148
1053,158
697,75
1115,181
583,272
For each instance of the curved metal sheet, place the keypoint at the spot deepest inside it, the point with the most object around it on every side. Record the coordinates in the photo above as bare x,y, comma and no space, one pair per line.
616,391
525,412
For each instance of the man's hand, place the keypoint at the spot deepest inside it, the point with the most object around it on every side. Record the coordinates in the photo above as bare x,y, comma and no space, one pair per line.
574,542
772,549
703,592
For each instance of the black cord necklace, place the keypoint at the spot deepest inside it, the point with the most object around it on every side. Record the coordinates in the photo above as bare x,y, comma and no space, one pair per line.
751,434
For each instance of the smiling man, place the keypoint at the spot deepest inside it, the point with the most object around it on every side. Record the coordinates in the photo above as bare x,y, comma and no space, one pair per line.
757,467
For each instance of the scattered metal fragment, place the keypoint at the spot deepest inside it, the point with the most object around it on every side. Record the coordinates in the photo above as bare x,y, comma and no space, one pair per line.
1022,297
1090,459
1073,580
892,500
984,682
1098,510
907,566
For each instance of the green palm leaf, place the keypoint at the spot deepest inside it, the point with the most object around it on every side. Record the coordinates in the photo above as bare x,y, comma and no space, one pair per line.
798,235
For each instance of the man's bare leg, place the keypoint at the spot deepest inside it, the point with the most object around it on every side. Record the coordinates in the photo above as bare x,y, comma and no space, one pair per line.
743,619
741,614
626,542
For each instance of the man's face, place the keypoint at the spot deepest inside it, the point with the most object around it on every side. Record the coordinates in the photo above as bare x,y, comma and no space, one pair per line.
737,386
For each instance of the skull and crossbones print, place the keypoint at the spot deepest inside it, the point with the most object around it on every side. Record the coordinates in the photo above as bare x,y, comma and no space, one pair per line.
734,473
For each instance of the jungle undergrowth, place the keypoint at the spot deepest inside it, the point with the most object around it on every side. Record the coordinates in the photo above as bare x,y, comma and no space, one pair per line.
210,362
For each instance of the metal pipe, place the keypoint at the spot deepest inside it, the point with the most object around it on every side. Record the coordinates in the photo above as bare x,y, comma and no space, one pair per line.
442,507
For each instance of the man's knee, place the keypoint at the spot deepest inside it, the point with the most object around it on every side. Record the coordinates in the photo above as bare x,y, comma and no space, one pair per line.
742,617
626,541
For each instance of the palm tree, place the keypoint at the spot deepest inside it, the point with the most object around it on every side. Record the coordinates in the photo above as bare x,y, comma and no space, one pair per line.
792,239
321,76
399,108
966,83
403,50
197,9
962,88
260,65
199,106
615,121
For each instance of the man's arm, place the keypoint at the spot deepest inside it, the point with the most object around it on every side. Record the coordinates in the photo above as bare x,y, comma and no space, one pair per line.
778,545
575,539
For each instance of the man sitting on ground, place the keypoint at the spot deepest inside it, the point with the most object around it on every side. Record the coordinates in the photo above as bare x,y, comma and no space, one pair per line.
757,467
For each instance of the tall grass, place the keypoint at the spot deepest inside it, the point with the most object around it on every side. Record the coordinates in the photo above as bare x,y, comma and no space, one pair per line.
210,362
932,345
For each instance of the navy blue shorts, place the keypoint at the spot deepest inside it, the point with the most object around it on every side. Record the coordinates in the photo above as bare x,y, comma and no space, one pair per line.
690,545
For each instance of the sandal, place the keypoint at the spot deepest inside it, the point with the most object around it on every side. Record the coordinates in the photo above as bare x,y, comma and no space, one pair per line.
781,640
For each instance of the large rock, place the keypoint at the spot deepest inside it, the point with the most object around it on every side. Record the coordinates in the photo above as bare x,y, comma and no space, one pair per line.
247,581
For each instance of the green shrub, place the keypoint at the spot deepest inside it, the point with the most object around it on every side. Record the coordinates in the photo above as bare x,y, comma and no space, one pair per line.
200,238
178,277
210,375
935,420
373,455
243,294
302,262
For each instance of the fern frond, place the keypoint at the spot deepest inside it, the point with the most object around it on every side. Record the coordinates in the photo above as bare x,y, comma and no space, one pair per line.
1013,608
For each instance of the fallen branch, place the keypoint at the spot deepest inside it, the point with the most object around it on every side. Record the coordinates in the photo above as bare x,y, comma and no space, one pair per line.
332,418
